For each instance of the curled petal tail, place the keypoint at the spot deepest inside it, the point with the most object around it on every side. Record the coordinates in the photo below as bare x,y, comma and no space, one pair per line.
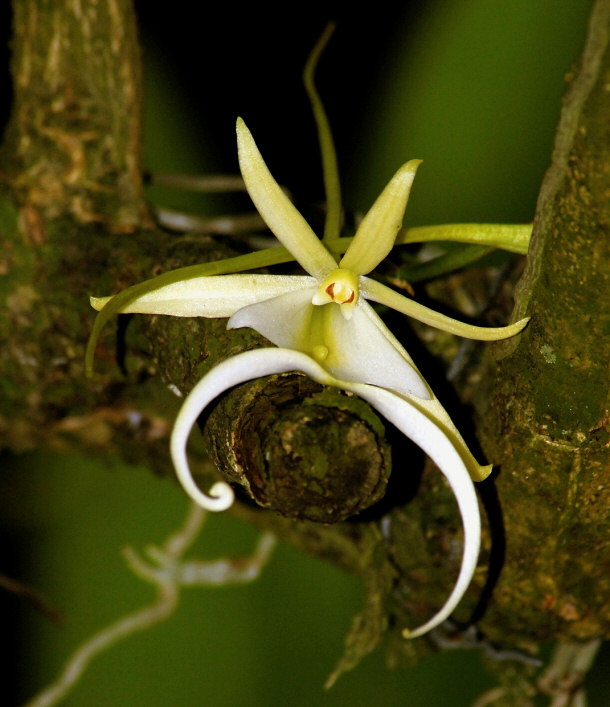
406,417
233,371
437,445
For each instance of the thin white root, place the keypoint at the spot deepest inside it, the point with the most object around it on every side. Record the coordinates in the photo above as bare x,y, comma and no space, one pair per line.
140,620
168,574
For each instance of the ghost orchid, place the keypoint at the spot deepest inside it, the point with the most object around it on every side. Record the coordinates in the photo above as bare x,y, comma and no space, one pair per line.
324,327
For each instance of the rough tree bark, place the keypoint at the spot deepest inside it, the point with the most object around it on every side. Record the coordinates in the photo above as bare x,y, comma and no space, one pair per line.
74,222
544,410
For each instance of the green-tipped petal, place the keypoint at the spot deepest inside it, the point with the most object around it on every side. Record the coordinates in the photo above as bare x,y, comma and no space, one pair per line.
118,303
375,291
377,232
219,296
278,212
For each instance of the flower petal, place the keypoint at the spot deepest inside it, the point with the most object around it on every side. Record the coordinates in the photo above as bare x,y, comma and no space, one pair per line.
377,232
437,445
427,403
363,350
285,320
278,211
219,296
360,349
377,292
439,416
238,263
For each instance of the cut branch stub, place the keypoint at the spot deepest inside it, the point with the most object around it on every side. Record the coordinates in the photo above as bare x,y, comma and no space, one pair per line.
293,446
307,452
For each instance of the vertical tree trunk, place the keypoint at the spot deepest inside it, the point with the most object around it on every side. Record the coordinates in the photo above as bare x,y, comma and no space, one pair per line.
73,145
544,418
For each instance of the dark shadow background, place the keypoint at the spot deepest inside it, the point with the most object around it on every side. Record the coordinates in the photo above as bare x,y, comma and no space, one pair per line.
244,59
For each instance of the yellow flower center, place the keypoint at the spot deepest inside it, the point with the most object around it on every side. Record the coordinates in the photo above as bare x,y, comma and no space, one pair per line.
340,292
341,287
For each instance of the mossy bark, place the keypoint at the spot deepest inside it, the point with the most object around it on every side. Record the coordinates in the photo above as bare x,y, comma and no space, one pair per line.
74,222
544,420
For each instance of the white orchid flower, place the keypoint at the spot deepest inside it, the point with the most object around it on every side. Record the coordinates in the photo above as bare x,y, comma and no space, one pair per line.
324,327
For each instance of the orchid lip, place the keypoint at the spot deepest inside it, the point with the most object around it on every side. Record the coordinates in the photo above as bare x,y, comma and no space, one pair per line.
408,419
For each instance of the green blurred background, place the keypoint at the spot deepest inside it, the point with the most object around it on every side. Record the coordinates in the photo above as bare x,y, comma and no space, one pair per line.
473,87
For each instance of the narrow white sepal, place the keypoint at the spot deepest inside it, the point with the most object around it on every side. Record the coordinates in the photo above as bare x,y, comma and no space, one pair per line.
213,296
278,212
